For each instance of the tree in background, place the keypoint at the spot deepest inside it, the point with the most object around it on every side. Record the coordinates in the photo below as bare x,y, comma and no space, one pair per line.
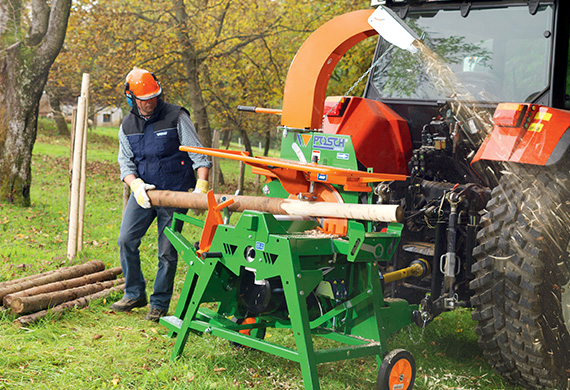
209,56
31,36
255,74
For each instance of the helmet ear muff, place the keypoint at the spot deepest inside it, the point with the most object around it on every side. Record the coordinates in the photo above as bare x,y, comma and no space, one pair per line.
129,95
157,82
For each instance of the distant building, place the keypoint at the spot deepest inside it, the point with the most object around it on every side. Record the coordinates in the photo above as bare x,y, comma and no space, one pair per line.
104,117
109,117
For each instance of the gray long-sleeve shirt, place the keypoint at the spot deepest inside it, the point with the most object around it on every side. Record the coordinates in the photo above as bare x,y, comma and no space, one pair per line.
186,135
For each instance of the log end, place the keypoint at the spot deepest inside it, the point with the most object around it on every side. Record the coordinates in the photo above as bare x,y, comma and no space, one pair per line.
400,214
17,305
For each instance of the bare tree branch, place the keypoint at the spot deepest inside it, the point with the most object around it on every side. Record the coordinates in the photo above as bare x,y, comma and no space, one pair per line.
39,22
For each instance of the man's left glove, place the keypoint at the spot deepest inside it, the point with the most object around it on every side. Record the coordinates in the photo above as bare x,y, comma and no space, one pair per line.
202,187
139,189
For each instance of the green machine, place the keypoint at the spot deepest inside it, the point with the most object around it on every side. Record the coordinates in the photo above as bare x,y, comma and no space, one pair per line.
312,265
275,271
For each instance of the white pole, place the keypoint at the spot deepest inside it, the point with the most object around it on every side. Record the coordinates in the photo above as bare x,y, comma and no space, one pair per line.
76,174
82,182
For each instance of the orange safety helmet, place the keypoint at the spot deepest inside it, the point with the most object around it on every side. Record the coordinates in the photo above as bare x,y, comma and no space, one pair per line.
141,84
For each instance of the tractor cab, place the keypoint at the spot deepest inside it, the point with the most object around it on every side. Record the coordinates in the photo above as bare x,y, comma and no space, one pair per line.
472,57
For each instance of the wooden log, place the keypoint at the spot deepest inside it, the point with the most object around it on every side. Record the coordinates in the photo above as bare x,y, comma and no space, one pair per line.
23,305
60,309
60,274
64,284
278,206
25,278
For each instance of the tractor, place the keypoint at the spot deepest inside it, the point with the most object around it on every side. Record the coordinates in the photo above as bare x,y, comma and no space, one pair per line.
463,128
488,188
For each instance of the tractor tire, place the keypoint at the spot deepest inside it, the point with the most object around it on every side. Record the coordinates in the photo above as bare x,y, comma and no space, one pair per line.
521,287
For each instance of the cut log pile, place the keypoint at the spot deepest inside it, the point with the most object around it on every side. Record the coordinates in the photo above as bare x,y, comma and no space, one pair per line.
56,291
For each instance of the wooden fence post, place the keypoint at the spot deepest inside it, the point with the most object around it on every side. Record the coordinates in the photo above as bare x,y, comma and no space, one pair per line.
79,148
215,162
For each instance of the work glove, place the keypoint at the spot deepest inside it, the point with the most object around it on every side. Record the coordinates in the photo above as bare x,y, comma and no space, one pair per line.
202,187
139,189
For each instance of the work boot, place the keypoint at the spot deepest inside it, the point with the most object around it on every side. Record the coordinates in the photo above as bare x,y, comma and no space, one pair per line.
126,304
154,314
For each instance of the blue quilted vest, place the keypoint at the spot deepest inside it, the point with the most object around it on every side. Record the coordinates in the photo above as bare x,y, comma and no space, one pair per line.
155,147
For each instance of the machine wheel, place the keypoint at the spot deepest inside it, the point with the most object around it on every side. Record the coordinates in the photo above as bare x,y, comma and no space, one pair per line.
521,288
397,372
258,333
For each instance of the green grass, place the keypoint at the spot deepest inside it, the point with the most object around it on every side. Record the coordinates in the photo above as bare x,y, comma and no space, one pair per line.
94,348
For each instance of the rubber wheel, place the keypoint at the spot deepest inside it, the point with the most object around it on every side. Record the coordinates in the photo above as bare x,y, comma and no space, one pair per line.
522,279
258,333
397,372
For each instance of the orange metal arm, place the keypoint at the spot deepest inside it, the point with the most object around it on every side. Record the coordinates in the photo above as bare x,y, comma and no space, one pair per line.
296,177
308,77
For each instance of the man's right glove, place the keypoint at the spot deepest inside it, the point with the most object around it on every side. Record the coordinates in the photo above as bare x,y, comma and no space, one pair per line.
139,189
201,187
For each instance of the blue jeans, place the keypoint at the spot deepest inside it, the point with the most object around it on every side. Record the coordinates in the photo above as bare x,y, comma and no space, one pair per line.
134,226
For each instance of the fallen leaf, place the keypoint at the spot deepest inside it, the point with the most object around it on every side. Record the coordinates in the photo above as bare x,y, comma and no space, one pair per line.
219,369
97,336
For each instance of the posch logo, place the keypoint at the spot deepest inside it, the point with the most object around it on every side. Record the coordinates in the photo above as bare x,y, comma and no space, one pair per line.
329,143
303,139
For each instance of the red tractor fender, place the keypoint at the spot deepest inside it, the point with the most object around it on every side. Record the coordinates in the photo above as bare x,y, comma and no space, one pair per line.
526,133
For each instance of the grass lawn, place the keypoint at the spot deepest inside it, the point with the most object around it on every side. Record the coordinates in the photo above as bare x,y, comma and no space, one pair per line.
94,348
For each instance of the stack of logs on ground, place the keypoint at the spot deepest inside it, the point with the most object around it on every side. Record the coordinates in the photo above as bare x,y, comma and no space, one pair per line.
56,291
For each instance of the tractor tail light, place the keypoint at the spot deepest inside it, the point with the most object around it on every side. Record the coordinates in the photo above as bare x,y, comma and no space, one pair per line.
509,114
336,105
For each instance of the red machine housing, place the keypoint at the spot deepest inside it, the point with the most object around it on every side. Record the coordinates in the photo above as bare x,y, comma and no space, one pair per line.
381,137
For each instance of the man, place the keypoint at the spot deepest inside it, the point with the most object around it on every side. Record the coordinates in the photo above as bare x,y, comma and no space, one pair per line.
149,158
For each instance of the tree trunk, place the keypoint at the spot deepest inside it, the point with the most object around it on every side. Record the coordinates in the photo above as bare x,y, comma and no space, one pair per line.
246,143
76,303
241,178
227,138
192,62
55,102
24,69
23,305
267,143
61,274
64,284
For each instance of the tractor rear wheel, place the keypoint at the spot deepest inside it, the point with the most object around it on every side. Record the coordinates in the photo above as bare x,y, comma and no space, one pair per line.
521,288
